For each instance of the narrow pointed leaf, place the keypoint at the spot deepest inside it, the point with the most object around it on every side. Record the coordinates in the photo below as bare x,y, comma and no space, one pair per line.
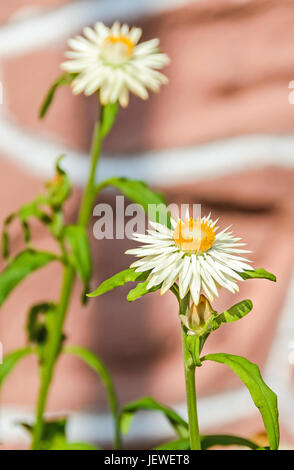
264,398
62,444
233,314
225,440
59,188
11,360
119,279
96,364
108,118
63,80
258,274
140,290
147,403
20,267
80,254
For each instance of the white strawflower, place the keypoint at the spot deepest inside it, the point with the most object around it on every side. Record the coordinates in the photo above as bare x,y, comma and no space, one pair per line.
193,255
111,60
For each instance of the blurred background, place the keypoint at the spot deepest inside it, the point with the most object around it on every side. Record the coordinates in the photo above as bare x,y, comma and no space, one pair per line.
220,134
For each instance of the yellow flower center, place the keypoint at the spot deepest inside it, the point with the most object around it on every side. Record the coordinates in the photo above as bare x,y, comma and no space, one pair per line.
194,236
117,49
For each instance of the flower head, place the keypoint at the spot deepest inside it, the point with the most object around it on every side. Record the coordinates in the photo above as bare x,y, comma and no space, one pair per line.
111,60
192,254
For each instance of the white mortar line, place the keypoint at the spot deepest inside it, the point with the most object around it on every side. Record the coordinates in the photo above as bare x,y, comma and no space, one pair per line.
37,155
39,30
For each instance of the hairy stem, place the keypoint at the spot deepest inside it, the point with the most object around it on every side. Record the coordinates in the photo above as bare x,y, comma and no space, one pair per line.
54,346
189,368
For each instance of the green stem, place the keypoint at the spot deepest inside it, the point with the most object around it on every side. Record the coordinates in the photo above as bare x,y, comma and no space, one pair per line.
53,350
47,370
90,193
189,368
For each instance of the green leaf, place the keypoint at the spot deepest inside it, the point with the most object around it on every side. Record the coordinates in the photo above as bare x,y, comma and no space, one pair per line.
209,441
63,80
62,444
118,280
5,248
59,188
153,203
264,398
80,254
20,267
52,431
25,212
54,437
193,342
236,312
179,444
38,330
41,325
147,403
140,290
11,360
32,209
109,113
258,274
95,363
225,440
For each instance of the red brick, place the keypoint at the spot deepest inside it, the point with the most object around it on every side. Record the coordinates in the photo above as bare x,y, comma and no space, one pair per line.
141,341
229,75
9,9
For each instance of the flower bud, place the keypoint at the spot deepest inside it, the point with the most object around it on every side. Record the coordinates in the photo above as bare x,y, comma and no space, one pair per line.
199,314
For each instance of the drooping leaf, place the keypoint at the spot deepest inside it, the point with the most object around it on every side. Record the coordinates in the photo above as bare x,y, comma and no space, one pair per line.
148,403
211,440
179,444
258,274
11,360
119,279
264,398
80,254
58,188
33,209
24,214
46,208
20,267
54,437
52,431
63,80
208,441
95,363
153,203
37,324
41,325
